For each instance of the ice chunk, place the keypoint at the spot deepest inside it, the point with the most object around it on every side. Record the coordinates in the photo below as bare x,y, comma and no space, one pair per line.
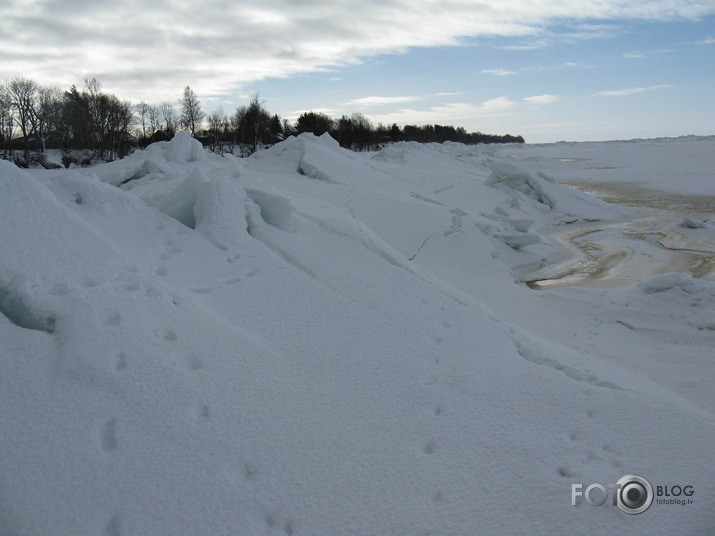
275,209
220,212
666,282
518,240
179,203
183,148
688,223
508,176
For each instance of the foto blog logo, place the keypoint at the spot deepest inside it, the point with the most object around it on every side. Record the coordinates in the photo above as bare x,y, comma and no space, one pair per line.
633,494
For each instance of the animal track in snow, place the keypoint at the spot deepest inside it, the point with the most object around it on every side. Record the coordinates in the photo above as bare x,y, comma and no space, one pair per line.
120,362
108,435
132,285
114,526
565,472
429,447
170,335
250,471
195,362
113,319
60,289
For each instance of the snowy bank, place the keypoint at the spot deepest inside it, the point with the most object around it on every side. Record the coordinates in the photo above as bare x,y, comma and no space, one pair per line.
317,342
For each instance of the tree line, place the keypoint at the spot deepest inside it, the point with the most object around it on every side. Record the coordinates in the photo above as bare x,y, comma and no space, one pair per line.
90,124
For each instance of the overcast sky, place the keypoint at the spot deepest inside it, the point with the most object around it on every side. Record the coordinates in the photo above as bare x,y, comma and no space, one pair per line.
546,69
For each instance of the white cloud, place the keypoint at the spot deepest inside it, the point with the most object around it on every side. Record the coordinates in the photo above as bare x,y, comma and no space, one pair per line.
542,99
369,101
650,53
498,104
457,113
498,72
706,41
629,91
217,46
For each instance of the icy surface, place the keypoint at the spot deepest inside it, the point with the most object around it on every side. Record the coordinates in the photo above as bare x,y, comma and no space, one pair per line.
317,342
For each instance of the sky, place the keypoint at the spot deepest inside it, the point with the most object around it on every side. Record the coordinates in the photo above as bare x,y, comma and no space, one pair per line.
548,70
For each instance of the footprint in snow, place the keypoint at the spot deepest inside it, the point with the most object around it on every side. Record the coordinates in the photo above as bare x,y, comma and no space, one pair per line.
120,362
429,447
60,289
170,335
114,526
195,362
565,472
108,435
113,319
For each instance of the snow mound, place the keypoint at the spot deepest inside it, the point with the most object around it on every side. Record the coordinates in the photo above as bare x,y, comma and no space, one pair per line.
507,176
249,350
702,291
183,148
306,155
689,223
118,172
220,212
566,204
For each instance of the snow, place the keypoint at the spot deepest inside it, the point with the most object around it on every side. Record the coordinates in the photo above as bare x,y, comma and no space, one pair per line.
312,341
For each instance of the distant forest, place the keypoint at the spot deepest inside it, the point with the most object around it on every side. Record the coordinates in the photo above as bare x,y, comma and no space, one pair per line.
92,125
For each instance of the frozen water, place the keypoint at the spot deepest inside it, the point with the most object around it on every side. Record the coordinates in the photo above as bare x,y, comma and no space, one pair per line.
315,341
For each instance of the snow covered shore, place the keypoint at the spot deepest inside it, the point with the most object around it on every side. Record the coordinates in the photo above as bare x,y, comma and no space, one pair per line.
312,341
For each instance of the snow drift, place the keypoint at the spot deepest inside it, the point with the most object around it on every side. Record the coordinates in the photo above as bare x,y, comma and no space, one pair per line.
318,342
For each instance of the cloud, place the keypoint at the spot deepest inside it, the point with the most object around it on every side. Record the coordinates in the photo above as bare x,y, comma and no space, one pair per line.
649,53
542,99
367,101
706,41
629,91
498,72
457,113
218,46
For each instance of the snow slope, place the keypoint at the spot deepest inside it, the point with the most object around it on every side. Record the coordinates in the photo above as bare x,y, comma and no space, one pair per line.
317,342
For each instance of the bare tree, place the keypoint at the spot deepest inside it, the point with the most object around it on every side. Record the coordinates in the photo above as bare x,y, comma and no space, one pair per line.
143,112
154,118
47,115
23,92
168,115
217,122
191,114
7,121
